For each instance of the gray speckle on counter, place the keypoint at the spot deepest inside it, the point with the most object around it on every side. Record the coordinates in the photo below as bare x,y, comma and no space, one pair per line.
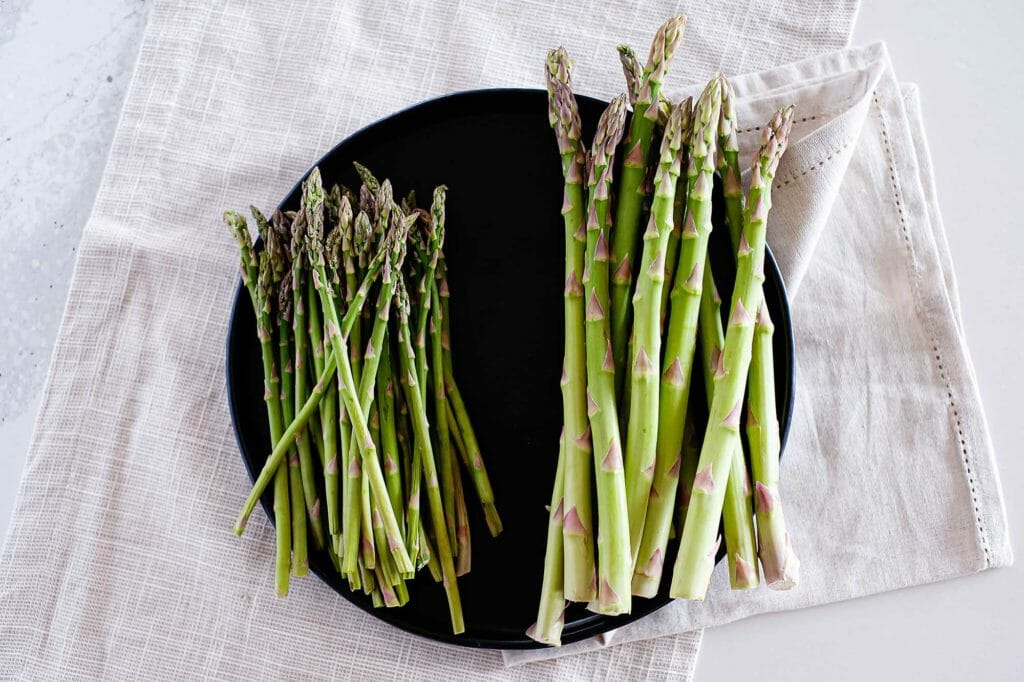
66,67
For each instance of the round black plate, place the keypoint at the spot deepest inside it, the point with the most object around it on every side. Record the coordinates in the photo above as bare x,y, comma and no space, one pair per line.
497,155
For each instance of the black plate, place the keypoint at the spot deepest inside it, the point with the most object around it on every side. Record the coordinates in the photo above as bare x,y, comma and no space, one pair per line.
496,153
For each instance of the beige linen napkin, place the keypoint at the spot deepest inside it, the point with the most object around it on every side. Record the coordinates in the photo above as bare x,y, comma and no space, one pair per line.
889,476
119,562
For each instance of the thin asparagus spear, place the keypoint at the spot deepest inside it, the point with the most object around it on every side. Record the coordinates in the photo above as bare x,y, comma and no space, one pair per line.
418,413
551,611
580,582
389,431
779,561
777,557
300,333
680,341
313,196
625,236
697,548
311,405
272,383
737,513
641,436
477,469
446,456
300,555
463,542
613,556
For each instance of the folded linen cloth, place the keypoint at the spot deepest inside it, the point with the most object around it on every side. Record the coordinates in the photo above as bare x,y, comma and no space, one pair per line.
889,475
119,561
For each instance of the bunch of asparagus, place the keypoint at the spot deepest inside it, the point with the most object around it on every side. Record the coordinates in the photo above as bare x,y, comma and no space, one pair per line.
361,398
637,306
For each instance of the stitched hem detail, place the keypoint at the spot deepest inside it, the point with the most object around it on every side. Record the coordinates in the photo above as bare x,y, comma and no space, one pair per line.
943,375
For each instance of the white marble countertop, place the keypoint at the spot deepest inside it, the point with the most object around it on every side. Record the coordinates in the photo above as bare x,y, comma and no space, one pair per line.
64,69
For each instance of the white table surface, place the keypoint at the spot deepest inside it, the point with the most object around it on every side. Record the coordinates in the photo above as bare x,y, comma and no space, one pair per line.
64,69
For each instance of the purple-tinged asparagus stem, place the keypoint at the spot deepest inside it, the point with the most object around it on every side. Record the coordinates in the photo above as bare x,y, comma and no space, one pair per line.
737,515
779,561
698,546
577,549
551,611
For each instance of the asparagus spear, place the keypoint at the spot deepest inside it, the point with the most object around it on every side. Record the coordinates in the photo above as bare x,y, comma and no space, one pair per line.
641,437
680,341
300,332
737,516
737,513
477,468
678,214
777,557
630,192
613,554
418,413
389,430
550,613
779,561
697,548
578,543
300,554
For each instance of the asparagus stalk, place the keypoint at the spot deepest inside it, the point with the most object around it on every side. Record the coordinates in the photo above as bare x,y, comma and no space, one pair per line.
550,613
779,561
463,541
300,554
631,193
680,342
777,557
272,387
300,332
313,199
678,214
737,513
641,436
446,456
418,413
697,548
477,469
389,430
577,547
613,553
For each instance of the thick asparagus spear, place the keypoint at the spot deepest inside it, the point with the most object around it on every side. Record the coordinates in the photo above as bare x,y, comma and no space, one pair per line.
578,529
780,564
737,513
641,436
613,555
779,561
551,611
631,188
680,341
737,516
389,430
697,548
